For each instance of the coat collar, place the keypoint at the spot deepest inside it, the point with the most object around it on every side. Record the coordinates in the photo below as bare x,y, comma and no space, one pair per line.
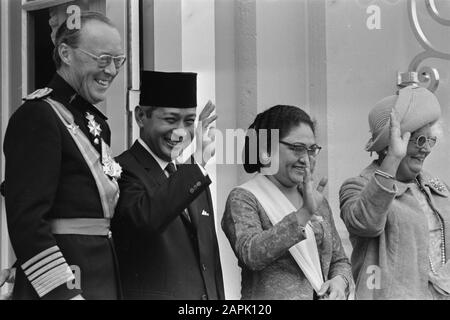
162,163
149,163
153,168
428,183
65,94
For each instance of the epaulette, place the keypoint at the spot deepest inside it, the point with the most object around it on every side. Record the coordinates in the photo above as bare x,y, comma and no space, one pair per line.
38,94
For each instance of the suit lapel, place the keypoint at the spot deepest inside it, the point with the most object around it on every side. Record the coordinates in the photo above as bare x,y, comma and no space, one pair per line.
196,208
193,209
155,172
193,214
150,165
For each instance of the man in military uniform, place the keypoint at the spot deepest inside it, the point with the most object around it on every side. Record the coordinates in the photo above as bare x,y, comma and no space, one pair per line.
60,187
164,224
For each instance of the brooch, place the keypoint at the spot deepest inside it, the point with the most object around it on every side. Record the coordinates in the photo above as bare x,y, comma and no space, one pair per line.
438,185
94,127
110,167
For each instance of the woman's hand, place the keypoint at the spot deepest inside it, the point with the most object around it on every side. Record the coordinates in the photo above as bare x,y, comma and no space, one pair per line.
333,289
311,197
318,193
398,144
309,194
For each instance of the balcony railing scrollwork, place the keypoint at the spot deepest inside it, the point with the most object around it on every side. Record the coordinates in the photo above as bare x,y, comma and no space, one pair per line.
428,76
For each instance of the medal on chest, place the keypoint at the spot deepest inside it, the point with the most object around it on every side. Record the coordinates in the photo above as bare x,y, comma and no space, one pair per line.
94,128
110,167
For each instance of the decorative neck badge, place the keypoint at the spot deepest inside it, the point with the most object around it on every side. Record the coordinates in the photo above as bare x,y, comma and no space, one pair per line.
94,127
110,167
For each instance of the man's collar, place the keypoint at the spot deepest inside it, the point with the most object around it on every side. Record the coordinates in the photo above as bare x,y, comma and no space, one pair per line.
64,93
162,163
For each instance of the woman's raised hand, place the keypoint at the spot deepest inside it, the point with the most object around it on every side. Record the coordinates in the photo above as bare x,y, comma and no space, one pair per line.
398,144
309,194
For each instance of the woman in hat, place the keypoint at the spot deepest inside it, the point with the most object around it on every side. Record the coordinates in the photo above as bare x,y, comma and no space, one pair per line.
398,216
280,228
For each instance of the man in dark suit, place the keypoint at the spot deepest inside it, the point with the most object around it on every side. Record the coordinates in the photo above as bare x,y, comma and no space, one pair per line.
60,188
164,226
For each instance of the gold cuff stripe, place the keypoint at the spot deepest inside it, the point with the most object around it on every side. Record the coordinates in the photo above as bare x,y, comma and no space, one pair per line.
61,276
43,270
39,256
43,262
50,275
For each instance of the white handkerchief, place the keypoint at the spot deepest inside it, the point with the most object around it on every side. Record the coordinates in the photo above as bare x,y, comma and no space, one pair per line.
204,213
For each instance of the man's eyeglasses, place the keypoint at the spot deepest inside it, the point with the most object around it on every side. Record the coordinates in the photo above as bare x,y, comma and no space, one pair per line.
300,149
105,60
420,141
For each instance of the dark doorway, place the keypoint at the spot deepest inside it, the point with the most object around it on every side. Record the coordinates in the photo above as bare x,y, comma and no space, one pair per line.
43,48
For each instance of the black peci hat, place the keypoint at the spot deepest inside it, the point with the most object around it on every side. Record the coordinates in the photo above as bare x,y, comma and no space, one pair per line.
168,89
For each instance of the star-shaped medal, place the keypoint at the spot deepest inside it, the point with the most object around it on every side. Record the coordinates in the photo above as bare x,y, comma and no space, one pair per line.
94,127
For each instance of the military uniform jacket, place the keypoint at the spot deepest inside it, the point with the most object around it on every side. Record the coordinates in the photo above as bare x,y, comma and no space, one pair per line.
48,178
161,254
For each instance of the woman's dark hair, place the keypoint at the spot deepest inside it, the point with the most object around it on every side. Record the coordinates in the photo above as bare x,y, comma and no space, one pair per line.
281,117
71,37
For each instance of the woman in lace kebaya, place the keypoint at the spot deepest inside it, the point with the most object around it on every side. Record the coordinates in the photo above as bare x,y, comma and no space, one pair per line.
280,228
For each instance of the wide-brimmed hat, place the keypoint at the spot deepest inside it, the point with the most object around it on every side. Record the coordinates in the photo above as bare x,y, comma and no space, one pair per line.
415,107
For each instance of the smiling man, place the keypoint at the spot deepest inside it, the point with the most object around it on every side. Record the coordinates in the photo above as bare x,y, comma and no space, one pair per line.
60,187
164,225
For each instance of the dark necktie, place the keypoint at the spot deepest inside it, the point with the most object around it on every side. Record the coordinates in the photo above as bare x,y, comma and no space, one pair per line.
170,169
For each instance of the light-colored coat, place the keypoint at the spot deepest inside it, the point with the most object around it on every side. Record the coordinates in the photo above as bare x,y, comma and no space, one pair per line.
389,234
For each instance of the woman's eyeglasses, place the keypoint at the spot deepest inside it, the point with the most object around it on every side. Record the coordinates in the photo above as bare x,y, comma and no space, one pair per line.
421,140
105,60
300,149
